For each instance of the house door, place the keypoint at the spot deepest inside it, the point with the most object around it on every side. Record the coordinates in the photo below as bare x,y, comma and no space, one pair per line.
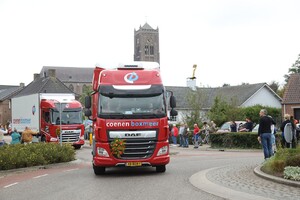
297,113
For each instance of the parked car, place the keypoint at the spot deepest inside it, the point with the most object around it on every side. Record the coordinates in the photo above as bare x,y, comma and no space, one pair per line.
226,126
255,129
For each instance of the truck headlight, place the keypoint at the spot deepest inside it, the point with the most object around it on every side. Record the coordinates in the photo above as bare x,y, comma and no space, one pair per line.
52,139
163,151
102,152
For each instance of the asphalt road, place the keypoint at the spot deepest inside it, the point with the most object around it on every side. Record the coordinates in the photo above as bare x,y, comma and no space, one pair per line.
77,180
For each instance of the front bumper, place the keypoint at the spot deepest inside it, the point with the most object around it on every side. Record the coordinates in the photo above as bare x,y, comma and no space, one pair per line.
111,161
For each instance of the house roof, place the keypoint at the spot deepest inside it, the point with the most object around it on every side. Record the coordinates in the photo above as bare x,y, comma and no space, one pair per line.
292,91
6,91
239,94
70,74
45,85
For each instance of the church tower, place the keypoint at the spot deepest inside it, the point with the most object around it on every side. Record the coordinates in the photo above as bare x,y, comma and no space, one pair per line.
146,44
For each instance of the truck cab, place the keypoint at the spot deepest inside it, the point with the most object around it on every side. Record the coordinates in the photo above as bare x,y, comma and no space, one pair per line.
129,106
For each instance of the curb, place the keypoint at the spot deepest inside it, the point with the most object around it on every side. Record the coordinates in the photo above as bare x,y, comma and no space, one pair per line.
4,173
200,181
258,172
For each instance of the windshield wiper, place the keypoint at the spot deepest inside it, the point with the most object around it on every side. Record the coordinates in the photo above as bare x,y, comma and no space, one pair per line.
113,115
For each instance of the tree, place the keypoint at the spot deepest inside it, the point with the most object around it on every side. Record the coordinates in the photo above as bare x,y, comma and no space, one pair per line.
217,112
274,85
225,85
86,91
223,111
195,100
253,113
293,70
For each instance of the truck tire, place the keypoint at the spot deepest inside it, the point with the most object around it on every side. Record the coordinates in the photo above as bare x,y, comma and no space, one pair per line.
43,138
99,170
77,146
161,168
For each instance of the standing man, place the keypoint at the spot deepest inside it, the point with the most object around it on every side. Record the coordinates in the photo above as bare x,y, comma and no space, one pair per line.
264,133
186,136
181,135
174,133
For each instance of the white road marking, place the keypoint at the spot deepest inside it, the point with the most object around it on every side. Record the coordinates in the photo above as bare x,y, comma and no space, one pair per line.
7,186
41,176
69,170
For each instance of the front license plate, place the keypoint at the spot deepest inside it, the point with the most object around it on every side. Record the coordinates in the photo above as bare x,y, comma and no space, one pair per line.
133,164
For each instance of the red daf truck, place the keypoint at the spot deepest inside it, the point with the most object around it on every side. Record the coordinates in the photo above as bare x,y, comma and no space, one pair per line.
41,113
129,105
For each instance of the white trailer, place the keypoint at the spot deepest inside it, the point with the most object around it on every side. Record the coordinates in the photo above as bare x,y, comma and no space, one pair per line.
26,109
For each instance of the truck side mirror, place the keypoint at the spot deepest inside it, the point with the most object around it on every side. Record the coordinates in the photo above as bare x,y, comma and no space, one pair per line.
87,112
173,113
88,102
172,101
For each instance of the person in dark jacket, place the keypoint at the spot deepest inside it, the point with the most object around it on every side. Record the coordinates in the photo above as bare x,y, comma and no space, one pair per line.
233,126
264,133
248,126
287,119
186,136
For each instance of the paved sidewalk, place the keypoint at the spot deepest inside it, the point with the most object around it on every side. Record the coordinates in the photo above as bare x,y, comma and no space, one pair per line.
239,181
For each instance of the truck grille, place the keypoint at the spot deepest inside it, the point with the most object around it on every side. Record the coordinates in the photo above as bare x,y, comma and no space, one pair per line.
138,149
70,136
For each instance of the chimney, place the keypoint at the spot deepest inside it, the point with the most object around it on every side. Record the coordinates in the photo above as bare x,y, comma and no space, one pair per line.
36,76
191,83
52,73
22,85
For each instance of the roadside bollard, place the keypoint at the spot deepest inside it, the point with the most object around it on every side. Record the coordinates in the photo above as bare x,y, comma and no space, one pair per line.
91,138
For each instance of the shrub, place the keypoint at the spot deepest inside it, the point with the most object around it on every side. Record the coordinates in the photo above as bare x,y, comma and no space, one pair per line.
282,159
20,155
234,140
292,173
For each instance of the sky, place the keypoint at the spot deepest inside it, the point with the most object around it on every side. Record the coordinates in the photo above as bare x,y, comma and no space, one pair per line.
231,41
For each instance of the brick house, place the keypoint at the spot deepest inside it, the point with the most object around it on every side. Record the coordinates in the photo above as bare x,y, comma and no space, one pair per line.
291,97
6,93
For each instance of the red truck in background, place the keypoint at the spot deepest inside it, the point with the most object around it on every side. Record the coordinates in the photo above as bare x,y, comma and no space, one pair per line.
129,104
41,113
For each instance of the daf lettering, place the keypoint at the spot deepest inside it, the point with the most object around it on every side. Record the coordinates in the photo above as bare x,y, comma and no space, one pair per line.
133,134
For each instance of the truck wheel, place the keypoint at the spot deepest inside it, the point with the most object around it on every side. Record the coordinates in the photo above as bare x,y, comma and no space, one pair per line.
77,146
99,170
43,138
161,168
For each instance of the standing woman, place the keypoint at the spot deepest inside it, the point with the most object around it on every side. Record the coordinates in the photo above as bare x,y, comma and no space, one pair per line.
196,136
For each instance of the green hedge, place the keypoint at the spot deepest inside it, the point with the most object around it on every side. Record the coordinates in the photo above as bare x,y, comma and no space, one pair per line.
243,140
20,155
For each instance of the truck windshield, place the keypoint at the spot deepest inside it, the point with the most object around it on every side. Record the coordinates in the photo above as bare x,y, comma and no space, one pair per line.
132,107
67,117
